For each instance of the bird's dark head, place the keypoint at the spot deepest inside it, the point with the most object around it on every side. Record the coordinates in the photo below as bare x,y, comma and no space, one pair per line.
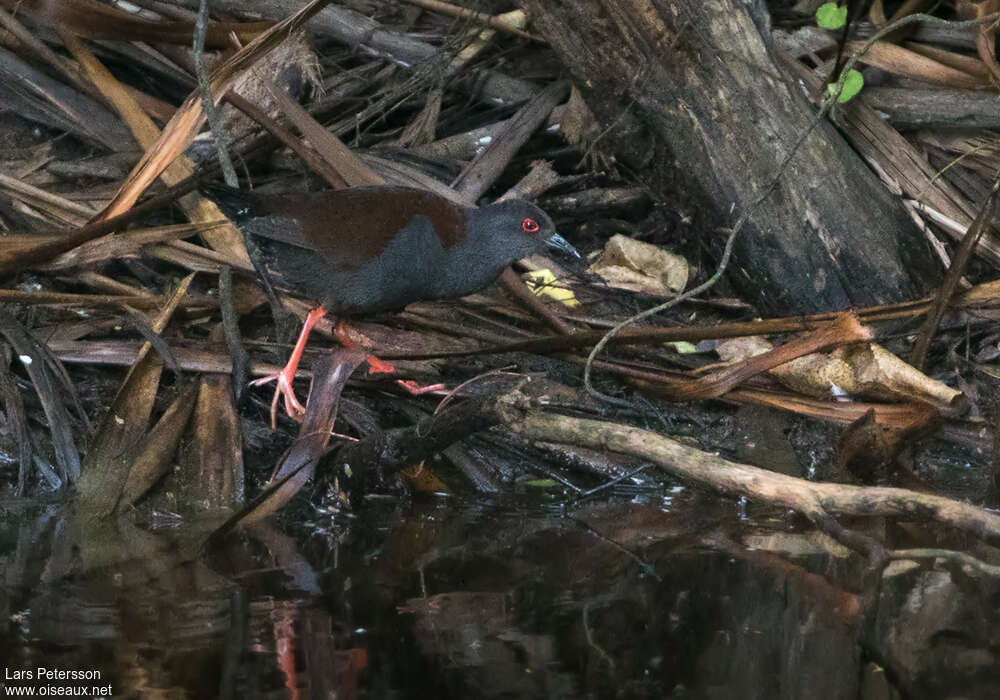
518,226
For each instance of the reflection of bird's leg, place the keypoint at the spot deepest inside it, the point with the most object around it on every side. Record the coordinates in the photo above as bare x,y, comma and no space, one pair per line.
284,647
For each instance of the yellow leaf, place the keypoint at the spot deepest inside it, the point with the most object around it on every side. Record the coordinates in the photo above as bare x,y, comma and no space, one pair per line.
543,283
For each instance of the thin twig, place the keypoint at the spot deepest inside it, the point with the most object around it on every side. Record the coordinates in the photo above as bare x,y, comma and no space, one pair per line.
211,111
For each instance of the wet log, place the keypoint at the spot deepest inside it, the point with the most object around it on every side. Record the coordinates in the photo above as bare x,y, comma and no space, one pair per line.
704,80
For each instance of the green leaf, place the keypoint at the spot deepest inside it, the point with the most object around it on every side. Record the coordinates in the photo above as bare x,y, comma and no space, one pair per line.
682,347
830,16
852,86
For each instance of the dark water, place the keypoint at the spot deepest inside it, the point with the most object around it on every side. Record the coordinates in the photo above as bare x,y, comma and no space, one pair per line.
677,594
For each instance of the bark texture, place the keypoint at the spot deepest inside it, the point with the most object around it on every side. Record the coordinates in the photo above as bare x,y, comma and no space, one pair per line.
701,76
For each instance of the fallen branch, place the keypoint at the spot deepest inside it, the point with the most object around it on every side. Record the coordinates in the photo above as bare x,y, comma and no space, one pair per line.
817,501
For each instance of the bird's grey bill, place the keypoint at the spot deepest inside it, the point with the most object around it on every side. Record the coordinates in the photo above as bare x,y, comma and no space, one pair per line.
560,243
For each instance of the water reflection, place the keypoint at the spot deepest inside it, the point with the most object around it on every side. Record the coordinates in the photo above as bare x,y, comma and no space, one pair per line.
625,599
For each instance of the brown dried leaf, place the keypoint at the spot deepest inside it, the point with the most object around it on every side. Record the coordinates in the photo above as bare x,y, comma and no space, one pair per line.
575,120
117,440
844,329
959,61
156,452
124,245
641,267
896,59
867,370
213,463
897,415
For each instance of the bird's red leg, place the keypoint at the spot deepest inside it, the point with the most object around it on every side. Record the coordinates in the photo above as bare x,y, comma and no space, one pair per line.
377,366
286,376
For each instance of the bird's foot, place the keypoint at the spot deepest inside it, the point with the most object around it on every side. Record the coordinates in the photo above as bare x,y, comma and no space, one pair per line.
377,366
283,389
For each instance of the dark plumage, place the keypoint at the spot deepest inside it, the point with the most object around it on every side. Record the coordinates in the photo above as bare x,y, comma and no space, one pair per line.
368,249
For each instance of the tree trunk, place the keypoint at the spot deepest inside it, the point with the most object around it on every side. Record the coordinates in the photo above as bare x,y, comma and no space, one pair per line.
701,76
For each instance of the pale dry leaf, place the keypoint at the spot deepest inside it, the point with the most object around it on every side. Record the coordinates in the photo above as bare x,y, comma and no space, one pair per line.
737,349
575,120
637,266
864,370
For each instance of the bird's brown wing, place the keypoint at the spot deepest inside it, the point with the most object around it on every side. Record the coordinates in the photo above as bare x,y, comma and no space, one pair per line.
350,227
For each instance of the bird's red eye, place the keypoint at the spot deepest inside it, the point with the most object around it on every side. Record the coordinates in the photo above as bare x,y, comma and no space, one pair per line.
530,226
